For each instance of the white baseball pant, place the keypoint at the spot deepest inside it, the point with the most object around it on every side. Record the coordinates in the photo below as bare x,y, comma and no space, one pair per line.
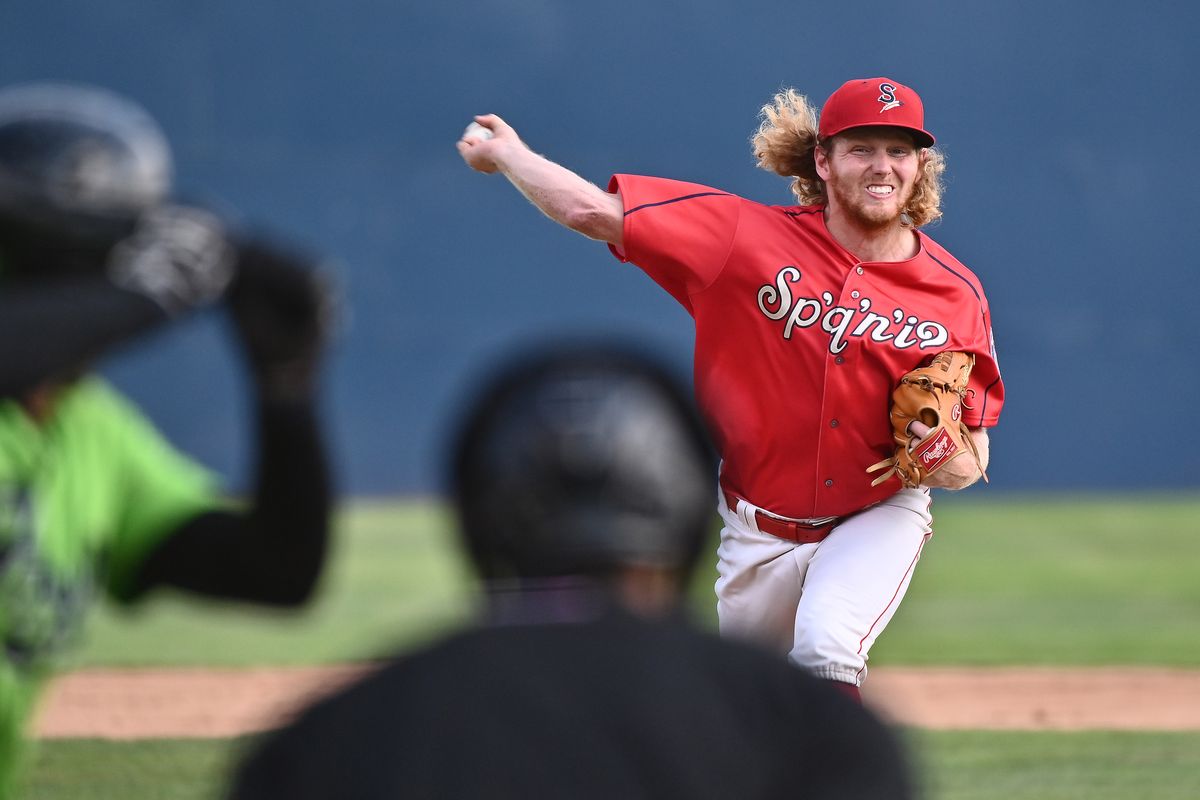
822,604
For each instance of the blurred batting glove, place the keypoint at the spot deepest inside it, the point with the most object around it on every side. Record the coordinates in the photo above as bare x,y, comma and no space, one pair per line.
178,256
282,306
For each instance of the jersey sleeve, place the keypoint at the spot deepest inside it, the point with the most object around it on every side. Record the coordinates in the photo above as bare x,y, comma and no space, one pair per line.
158,488
678,233
986,387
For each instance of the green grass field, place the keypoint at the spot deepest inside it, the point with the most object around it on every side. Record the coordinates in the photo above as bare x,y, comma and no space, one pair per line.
1080,581
1021,580
951,766
1006,580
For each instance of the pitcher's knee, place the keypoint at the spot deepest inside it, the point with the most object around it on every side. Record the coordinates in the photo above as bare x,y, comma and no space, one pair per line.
828,650
833,666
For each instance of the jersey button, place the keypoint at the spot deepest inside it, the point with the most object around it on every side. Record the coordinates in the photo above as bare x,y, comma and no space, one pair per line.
856,294
833,423
839,360
859,270
829,482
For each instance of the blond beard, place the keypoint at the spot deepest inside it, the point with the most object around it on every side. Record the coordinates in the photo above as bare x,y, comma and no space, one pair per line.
861,215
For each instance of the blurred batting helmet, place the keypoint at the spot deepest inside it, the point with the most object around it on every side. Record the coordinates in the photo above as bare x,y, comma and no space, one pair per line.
77,162
581,461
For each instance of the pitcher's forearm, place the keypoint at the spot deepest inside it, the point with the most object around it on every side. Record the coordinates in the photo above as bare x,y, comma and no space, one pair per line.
564,196
493,145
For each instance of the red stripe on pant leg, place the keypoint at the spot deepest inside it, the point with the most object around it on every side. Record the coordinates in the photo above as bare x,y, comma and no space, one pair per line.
912,565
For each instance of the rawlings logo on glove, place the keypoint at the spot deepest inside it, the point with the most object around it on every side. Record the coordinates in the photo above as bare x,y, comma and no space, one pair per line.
935,396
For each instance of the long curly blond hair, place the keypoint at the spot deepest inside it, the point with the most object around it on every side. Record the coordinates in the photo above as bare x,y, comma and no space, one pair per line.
785,141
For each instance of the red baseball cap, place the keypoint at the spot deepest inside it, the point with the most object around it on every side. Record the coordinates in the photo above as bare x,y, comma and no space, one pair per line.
864,102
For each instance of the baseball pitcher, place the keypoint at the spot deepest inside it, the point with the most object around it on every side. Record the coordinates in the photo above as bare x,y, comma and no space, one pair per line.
808,319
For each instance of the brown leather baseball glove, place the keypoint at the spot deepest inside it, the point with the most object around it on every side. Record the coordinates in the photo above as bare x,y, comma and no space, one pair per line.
936,396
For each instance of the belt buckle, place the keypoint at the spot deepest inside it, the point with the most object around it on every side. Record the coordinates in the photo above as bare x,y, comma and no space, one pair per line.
813,522
790,524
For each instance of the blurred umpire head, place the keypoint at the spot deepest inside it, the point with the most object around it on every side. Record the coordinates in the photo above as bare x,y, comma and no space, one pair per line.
583,461
78,164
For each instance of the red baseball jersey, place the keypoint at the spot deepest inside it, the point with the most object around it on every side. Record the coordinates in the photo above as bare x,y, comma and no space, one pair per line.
798,343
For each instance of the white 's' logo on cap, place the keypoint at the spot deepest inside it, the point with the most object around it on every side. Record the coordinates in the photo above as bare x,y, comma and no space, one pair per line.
887,96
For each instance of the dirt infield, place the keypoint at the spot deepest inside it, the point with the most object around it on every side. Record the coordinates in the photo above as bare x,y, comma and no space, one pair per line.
207,703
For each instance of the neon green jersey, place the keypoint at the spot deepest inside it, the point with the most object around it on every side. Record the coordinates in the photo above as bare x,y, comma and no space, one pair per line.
84,497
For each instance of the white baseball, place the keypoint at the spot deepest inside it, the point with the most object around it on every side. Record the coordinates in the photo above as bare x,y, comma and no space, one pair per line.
475,131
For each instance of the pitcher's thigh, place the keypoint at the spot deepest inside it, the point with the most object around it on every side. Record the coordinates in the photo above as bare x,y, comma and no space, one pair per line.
759,579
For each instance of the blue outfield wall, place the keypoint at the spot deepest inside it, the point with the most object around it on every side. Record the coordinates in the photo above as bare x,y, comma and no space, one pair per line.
1068,128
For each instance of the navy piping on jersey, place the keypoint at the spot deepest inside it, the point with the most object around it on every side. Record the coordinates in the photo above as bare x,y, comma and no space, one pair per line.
957,275
810,211
678,199
987,391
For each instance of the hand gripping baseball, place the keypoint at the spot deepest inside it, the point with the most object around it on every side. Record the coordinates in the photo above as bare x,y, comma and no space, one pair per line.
935,397
282,307
484,140
178,256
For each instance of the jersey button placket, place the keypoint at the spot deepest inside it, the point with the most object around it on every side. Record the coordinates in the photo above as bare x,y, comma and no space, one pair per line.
854,294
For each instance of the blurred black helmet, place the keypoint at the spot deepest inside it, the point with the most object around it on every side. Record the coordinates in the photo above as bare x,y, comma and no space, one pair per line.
581,461
77,162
